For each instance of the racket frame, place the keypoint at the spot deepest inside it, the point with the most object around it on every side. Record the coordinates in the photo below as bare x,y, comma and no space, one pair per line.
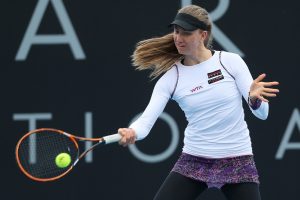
99,141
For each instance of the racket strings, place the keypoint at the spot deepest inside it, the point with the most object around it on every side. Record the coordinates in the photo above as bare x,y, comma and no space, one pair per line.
38,151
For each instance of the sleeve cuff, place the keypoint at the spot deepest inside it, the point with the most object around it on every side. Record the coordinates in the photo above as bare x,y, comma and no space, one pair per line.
254,104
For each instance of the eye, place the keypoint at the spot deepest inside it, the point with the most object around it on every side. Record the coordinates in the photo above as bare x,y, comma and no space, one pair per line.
186,32
176,30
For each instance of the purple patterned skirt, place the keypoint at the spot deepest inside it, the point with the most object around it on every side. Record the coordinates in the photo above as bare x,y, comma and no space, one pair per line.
217,172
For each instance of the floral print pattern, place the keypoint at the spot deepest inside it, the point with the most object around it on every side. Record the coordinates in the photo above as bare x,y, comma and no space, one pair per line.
217,172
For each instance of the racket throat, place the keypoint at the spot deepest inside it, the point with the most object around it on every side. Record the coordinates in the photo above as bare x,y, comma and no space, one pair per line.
76,161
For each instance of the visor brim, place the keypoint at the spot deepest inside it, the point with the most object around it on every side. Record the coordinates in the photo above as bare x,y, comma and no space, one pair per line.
186,26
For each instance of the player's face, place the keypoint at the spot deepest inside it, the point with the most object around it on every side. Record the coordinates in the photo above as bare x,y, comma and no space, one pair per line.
187,42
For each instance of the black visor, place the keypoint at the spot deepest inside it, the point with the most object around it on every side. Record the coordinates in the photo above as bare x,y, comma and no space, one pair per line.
188,22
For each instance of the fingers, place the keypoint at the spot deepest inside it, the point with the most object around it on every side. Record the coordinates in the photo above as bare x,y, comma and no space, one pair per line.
260,89
269,84
128,136
260,78
263,99
271,90
268,94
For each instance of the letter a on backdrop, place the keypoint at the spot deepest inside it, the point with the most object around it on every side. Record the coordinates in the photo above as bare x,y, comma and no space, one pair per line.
69,37
285,142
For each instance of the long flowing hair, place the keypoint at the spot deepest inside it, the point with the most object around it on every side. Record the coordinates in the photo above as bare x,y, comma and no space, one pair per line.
160,53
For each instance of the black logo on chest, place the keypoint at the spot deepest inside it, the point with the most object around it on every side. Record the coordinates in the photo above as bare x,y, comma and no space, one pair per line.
215,76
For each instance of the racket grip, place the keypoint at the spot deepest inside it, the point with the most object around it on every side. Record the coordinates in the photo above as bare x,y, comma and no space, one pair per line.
112,138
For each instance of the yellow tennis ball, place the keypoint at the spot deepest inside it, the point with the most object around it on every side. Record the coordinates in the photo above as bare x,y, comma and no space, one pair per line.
63,160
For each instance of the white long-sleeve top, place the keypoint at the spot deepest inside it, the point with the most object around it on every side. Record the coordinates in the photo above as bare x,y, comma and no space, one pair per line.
212,102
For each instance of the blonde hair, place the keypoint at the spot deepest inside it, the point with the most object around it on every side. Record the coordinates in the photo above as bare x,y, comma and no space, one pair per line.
160,53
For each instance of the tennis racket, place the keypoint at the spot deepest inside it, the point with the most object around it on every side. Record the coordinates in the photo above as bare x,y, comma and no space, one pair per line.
38,151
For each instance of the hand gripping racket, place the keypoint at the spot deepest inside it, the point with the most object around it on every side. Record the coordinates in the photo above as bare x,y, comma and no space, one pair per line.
38,150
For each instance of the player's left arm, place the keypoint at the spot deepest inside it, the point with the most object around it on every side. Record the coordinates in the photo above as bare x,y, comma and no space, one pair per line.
255,92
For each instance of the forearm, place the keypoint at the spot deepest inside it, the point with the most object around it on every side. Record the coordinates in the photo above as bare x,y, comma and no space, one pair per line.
259,108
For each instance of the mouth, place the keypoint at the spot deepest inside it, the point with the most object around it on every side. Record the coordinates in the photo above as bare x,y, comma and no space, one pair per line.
180,46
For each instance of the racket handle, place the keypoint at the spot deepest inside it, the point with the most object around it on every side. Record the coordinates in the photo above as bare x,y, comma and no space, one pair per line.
112,138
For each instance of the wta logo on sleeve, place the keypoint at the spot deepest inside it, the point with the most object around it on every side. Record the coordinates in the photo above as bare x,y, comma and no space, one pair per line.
215,76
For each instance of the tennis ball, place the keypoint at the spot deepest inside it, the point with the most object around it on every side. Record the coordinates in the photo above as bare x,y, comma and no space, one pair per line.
63,160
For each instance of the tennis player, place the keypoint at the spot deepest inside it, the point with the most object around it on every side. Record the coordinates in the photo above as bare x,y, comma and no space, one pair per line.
209,86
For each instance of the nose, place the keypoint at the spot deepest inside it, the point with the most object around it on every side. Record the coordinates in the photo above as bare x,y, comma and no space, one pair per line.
177,38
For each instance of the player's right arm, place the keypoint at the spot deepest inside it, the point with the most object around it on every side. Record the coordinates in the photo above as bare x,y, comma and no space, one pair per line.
141,127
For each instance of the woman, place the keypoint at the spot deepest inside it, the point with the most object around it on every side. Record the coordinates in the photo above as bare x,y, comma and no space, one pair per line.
208,86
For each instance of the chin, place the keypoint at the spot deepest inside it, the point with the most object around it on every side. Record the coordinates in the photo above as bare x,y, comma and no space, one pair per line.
181,51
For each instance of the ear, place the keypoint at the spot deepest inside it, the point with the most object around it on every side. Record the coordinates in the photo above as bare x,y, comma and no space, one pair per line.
204,34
